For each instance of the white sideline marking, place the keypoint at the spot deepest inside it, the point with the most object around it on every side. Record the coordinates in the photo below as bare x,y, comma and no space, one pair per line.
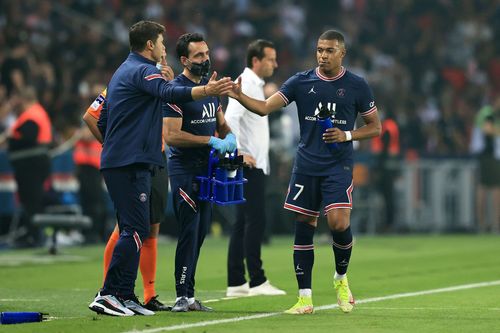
21,300
319,308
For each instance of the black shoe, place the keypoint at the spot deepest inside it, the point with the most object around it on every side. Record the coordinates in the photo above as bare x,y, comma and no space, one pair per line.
197,306
155,305
181,305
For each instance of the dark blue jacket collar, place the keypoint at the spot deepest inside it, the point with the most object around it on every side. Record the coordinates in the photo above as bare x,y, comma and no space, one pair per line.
137,56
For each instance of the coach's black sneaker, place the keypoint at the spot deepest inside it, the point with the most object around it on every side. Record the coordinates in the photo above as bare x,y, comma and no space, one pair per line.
181,305
155,305
197,306
109,305
133,304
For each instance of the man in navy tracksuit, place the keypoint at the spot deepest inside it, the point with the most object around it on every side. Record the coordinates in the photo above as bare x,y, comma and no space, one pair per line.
132,147
190,128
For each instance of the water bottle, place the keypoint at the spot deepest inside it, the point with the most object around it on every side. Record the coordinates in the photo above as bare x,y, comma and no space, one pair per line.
21,317
324,120
221,188
238,190
231,174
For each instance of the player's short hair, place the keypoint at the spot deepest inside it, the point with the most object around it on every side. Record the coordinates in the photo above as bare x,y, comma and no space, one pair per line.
143,31
256,49
182,47
331,35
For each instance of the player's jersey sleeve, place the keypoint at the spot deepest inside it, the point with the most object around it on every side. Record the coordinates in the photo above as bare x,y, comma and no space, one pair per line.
151,81
365,102
95,108
171,110
103,119
287,90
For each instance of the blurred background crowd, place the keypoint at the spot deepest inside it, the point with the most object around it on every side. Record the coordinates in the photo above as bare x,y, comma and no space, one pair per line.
433,64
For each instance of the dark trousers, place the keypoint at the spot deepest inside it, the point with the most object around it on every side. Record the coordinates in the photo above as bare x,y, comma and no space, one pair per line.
194,217
30,174
247,233
92,201
130,189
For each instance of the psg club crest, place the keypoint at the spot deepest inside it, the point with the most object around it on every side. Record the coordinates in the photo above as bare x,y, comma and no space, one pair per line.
143,197
341,92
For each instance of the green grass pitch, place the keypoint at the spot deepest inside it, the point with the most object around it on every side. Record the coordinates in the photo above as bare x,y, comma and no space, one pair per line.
382,270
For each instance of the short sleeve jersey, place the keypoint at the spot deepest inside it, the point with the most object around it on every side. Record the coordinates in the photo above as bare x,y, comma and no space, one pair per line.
345,95
198,118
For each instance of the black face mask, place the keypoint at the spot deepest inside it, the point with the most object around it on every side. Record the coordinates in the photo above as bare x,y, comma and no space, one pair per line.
200,69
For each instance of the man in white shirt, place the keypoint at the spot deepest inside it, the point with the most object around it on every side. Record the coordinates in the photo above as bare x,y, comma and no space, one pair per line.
252,133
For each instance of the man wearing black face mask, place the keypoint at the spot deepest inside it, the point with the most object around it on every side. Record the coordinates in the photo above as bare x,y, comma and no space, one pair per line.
199,69
189,130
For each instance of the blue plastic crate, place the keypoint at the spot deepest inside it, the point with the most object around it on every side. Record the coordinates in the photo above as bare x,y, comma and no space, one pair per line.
220,185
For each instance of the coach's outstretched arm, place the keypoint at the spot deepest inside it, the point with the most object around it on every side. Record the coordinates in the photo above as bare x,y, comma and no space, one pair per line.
214,87
154,84
262,108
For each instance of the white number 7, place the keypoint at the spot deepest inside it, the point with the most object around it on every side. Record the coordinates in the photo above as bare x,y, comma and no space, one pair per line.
301,188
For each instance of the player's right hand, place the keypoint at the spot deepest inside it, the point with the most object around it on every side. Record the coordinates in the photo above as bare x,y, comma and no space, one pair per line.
220,87
236,90
218,144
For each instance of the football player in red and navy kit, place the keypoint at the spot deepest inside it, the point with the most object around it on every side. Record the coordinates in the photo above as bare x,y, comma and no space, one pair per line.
322,173
190,132
132,148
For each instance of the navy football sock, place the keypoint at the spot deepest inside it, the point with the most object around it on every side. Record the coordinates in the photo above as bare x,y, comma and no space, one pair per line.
342,248
303,253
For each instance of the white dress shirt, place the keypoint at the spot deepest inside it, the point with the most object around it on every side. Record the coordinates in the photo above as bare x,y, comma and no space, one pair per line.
251,130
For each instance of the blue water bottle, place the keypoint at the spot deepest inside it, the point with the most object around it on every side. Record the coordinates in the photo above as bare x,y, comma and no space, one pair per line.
325,121
21,317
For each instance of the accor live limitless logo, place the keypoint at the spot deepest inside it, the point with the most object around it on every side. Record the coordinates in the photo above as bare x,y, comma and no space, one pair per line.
332,107
207,114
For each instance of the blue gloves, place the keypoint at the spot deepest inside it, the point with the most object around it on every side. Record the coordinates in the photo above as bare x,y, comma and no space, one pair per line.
218,144
230,139
223,146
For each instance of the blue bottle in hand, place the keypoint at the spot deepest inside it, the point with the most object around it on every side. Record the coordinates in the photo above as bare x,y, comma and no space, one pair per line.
325,121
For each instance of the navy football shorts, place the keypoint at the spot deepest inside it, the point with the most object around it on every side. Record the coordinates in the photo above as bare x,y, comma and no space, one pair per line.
307,193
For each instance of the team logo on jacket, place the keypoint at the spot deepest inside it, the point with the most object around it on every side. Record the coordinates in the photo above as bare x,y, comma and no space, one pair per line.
143,197
341,92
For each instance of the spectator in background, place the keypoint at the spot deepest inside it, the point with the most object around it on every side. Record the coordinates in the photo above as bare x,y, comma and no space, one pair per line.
487,144
87,158
28,146
386,148
15,70
252,132
6,117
